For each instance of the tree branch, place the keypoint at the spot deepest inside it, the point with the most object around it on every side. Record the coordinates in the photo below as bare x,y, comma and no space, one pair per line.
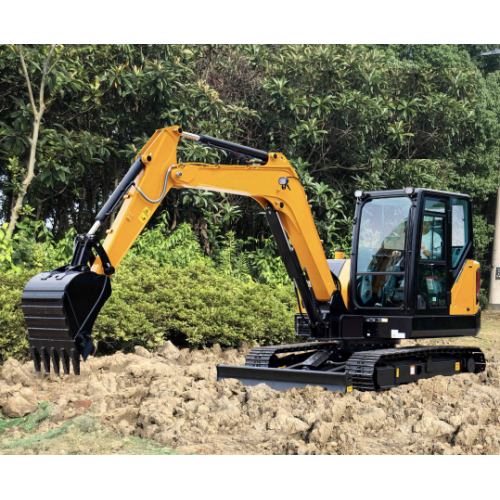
37,118
44,76
340,168
56,194
25,71
63,51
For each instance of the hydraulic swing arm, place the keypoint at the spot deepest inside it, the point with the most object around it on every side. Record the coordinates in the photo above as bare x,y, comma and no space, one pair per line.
60,306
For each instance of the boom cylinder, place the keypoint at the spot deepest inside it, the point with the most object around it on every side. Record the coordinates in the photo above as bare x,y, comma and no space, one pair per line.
120,191
230,146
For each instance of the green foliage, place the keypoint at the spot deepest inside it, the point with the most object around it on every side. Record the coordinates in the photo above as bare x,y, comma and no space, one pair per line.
6,250
347,116
33,247
195,306
246,260
14,338
16,174
179,248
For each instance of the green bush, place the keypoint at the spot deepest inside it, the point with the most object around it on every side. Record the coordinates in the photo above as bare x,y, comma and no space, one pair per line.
194,306
13,334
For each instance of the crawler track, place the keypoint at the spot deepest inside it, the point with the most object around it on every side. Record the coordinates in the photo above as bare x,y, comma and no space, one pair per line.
260,357
362,366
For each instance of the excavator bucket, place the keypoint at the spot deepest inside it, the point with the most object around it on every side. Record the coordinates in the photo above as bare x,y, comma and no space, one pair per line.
60,308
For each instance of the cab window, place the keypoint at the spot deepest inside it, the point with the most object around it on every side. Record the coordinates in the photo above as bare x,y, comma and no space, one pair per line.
434,206
381,256
460,236
431,275
382,235
431,243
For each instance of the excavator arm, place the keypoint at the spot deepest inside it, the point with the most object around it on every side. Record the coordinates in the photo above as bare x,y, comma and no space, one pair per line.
60,307
274,185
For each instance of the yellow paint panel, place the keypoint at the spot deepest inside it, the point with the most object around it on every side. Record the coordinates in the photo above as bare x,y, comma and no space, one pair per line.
457,366
463,293
344,278
128,224
349,388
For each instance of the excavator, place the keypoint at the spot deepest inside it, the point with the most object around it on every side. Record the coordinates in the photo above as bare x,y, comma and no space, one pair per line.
410,276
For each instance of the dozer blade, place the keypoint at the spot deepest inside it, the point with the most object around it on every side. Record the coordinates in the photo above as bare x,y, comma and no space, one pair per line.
283,378
60,308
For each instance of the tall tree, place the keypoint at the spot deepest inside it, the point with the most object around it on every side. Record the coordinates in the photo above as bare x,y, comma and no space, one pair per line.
37,119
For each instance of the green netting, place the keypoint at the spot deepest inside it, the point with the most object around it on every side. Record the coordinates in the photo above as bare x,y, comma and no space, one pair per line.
81,435
29,423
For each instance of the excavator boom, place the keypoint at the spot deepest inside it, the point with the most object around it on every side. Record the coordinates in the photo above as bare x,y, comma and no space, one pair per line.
273,185
60,306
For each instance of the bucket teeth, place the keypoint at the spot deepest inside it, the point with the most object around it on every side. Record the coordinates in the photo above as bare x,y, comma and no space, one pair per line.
46,360
64,360
54,356
36,358
75,361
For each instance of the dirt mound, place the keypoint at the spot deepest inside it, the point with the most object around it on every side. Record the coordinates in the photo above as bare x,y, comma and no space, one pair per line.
172,398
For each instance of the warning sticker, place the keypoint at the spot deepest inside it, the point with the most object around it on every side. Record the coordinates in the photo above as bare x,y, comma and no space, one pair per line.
144,215
396,334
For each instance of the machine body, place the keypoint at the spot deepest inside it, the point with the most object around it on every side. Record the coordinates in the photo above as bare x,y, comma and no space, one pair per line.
410,274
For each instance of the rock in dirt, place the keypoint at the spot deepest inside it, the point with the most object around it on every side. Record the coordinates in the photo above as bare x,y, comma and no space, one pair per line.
169,351
20,404
141,351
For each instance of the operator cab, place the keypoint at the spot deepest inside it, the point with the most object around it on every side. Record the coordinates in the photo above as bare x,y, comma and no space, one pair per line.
412,269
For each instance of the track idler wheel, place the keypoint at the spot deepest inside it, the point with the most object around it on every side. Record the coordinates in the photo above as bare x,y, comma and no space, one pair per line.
60,308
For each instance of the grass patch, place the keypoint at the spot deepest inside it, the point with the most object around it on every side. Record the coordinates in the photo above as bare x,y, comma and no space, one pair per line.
82,435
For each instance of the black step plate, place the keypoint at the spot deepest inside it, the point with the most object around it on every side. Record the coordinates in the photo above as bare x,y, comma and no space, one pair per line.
282,379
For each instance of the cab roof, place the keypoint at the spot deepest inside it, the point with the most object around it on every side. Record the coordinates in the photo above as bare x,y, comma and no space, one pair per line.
417,191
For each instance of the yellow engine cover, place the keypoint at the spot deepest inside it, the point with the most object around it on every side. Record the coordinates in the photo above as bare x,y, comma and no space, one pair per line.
463,293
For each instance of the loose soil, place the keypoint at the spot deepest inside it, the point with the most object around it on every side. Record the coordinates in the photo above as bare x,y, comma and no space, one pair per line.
170,402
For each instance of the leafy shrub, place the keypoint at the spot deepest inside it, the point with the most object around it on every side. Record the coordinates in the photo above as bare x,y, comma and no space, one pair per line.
6,250
194,306
13,335
242,259
177,248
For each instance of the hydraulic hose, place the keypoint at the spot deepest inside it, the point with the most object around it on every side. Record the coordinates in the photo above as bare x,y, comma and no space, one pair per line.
162,194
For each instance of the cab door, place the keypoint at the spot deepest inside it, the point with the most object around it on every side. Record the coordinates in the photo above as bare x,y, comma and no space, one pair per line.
433,256
464,271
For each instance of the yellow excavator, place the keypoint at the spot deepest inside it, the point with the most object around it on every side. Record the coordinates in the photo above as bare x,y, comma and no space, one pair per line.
410,275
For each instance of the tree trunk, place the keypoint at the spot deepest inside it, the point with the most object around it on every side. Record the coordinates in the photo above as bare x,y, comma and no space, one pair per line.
37,118
14,214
